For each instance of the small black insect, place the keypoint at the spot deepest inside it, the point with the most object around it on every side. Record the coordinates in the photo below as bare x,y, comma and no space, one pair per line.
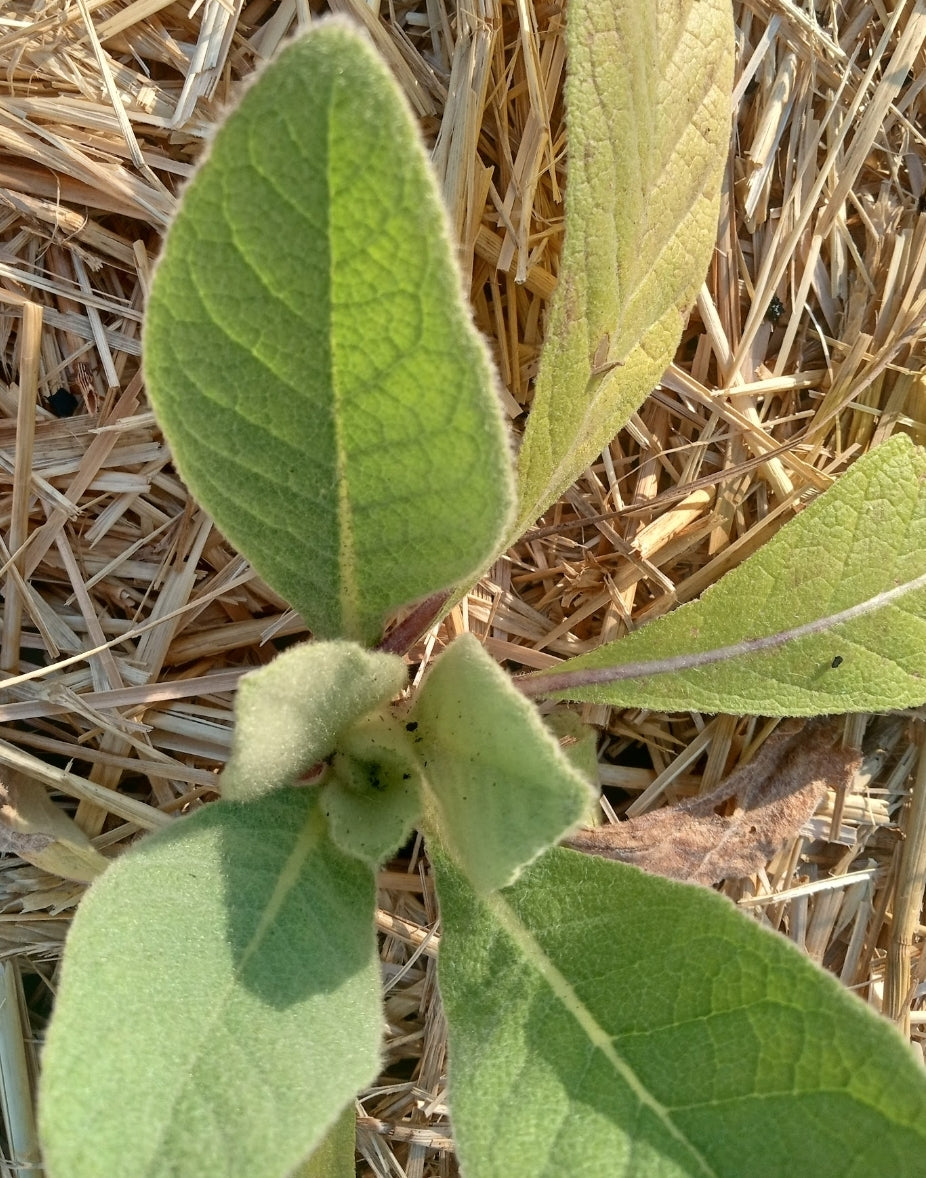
411,726
837,661
775,309
62,403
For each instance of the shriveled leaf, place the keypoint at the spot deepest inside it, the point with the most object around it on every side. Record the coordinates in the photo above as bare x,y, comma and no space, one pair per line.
864,537
219,1004
289,713
605,1021
309,353
774,794
648,119
500,788
35,829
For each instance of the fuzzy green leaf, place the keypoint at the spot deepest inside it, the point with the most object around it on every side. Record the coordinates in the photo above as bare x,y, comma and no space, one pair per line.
334,1158
648,119
602,1021
372,797
501,789
372,824
289,713
219,1004
578,741
309,353
865,536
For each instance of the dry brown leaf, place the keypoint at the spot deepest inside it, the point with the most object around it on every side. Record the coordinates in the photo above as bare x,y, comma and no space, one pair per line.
774,795
35,829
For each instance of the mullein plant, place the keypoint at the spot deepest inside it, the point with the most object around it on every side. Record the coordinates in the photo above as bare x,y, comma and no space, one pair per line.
327,398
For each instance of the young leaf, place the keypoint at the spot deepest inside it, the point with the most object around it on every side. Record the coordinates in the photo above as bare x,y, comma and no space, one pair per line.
648,118
289,713
309,353
863,537
375,823
501,789
603,1021
219,1003
372,796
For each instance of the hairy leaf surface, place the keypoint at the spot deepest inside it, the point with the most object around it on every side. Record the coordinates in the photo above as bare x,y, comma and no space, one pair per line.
863,537
219,1003
289,713
309,353
372,794
605,1021
648,120
501,789
334,1158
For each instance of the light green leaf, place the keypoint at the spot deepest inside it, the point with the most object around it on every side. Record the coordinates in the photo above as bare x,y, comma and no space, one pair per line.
579,743
648,119
309,353
578,740
865,536
289,713
500,788
219,1004
374,824
334,1158
372,797
602,1021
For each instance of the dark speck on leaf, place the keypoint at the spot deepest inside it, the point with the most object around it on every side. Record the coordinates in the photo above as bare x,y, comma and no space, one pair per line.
837,661
411,726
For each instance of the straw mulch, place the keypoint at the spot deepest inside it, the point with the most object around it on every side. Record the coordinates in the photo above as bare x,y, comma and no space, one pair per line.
105,108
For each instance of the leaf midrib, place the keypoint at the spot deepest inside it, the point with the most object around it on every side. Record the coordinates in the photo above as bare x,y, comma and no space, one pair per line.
308,838
600,1039
347,589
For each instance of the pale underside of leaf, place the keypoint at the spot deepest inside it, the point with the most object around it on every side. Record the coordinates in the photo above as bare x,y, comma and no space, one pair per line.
501,790
647,104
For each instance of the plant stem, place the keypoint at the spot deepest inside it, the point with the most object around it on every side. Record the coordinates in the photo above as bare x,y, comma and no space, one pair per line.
403,637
